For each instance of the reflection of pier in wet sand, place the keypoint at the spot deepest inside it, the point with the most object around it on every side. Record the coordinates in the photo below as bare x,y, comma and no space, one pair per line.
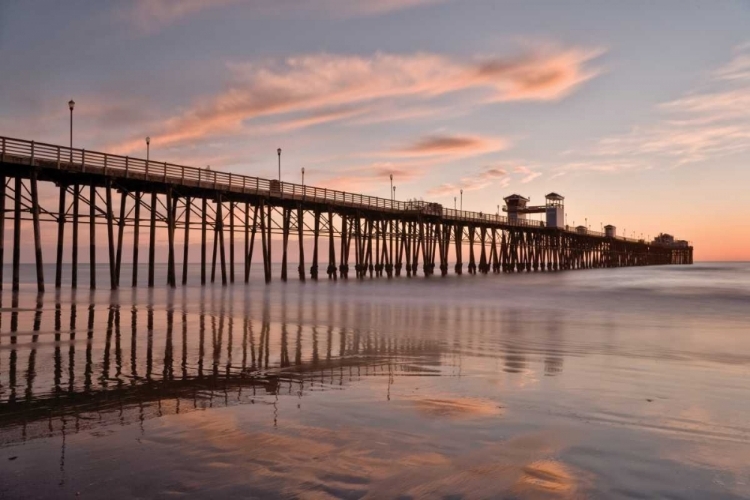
140,363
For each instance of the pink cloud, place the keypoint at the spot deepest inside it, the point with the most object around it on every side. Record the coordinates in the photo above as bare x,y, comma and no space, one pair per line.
452,145
361,179
314,83
480,180
528,174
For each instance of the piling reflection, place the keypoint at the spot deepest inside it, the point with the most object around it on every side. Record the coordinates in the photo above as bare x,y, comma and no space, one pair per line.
117,364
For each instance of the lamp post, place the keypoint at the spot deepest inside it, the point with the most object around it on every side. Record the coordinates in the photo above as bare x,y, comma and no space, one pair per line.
394,193
278,151
71,105
303,176
148,148
462,200
454,203
391,176
498,210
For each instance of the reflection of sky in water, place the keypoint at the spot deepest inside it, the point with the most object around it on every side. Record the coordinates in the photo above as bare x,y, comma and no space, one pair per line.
559,386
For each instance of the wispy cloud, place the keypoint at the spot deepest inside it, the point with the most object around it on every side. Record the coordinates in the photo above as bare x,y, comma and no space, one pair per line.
301,88
415,160
480,180
701,125
150,15
739,67
528,174
362,178
452,146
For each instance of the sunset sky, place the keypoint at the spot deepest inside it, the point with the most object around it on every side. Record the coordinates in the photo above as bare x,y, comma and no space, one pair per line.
637,112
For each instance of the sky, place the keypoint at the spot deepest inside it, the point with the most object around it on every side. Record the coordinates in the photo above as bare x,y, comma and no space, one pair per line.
637,112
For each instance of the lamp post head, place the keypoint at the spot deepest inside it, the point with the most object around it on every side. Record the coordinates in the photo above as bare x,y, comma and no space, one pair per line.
391,176
71,104
279,151
148,140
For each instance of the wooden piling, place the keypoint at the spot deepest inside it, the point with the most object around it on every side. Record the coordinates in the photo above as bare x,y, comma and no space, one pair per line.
269,227
246,267
2,228
331,248
249,253
74,249
120,234
111,236
286,215
37,232
220,233
171,207
265,244
300,230
136,228
204,209
231,241
92,235
215,248
316,236
152,242
186,240
17,234
459,235
368,256
60,232
472,262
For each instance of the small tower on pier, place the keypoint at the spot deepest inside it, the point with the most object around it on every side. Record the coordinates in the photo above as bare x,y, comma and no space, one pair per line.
610,231
515,205
555,210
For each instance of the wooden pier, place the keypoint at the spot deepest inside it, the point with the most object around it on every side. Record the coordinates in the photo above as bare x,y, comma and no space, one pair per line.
366,236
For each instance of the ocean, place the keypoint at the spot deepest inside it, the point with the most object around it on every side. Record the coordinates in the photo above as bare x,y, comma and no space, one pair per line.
610,383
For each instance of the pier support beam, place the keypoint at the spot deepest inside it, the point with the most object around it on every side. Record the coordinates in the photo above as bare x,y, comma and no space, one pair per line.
231,242
331,248
152,242
2,228
37,233
286,215
171,208
316,237
74,249
120,234
249,253
60,232
300,230
186,240
136,228
204,209
111,236
92,236
17,234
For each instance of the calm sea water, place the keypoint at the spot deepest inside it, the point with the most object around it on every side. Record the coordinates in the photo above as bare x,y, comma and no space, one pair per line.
625,383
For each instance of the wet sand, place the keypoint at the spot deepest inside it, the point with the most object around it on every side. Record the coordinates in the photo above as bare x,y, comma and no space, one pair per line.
590,384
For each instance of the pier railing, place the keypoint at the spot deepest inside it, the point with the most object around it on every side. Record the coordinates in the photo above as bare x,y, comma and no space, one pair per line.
85,161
